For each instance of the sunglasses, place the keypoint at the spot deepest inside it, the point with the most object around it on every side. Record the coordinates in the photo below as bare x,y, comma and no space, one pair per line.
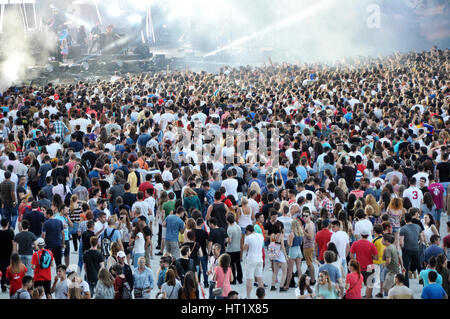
305,216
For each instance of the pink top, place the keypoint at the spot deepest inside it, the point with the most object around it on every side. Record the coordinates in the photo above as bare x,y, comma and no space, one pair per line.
437,193
223,280
354,291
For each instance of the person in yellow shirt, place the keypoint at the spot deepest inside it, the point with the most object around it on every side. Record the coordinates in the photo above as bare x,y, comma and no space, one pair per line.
133,178
379,263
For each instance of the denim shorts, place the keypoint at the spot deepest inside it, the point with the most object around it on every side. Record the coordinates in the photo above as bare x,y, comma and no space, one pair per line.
395,229
437,214
295,252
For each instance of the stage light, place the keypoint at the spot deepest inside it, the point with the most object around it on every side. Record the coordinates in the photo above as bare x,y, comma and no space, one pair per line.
276,26
85,66
49,68
135,19
114,11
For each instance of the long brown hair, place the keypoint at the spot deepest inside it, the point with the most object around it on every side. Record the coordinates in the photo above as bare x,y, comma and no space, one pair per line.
73,200
16,264
225,262
106,277
170,278
396,204
355,264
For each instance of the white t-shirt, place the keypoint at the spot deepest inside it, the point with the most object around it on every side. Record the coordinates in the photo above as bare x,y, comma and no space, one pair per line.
288,153
230,185
84,288
98,226
340,239
415,195
144,208
253,205
53,148
298,294
139,244
62,289
255,244
303,194
287,223
151,204
418,176
165,119
364,224
167,176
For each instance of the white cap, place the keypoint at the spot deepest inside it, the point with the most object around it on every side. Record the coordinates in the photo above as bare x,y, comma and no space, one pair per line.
40,242
121,254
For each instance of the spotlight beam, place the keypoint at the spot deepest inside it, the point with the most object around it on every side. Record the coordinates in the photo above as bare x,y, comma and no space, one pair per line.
275,26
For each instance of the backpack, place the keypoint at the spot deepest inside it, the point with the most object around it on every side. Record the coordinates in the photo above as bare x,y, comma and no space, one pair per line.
180,269
126,290
106,243
45,260
274,251
18,294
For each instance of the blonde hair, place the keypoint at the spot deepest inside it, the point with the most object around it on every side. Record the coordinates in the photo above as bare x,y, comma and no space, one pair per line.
370,200
244,200
283,205
343,185
255,186
297,229
188,192
369,210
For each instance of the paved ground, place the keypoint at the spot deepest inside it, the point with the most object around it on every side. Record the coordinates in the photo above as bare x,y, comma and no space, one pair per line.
267,275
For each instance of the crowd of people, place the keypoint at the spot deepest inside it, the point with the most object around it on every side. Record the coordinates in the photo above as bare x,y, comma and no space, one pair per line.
181,167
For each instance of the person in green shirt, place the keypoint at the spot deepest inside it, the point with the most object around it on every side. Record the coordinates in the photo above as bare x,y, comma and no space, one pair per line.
325,288
167,209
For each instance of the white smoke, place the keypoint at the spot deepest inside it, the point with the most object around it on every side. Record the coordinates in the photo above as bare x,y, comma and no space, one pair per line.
17,49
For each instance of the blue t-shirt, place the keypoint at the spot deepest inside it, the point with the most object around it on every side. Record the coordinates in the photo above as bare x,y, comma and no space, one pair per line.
333,272
433,291
348,116
424,275
174,225
93,174
52,229
65,224
77,146
433,250
302,173
115,237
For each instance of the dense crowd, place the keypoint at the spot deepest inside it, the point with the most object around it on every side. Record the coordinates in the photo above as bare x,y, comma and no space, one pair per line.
334,175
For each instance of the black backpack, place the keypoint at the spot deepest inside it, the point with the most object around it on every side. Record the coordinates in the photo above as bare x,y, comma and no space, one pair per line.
180,269
126,291
106,243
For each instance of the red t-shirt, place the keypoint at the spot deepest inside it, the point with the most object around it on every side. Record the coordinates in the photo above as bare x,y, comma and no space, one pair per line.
322,239
361,168
41,274
144,186
118,284
446,241
365,252
15,280
354,290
